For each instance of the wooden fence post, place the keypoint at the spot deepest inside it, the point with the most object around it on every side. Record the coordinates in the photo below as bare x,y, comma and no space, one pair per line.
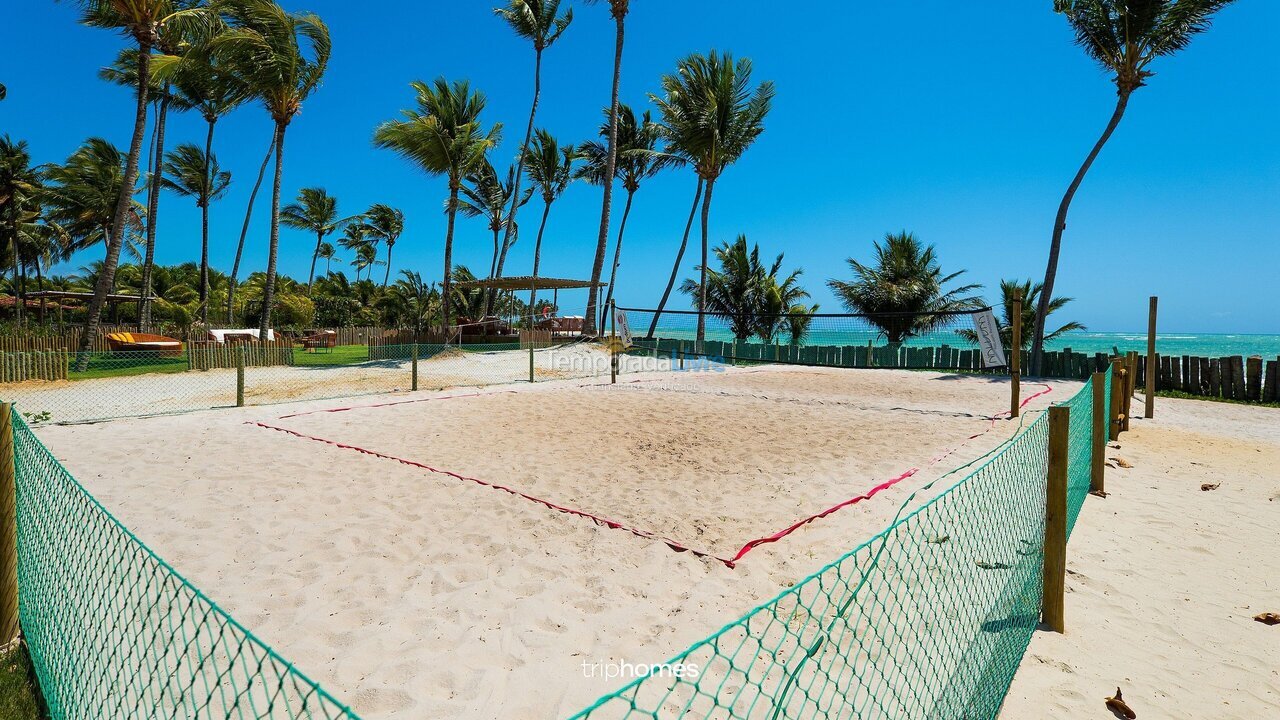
1117,396
1015,359
1130,387
8,529
240,376
1055,519
414,384
1099,437
1150,400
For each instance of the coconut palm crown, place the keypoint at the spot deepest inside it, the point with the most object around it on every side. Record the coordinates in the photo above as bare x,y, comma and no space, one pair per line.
904,290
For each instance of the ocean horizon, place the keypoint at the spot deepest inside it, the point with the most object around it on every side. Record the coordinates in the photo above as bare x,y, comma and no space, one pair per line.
1089,342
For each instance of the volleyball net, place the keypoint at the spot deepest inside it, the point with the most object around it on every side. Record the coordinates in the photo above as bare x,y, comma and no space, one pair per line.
926,340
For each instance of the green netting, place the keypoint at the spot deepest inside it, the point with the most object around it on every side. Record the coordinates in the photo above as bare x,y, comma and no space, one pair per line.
928,619
115,632
55,387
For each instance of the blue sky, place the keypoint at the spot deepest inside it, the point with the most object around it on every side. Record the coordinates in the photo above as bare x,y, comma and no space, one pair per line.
961,126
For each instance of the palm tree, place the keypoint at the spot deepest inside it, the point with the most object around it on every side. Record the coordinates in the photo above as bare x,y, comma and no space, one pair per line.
281,58
315,211
204,84
487,196
355,238
80,196
636,161
410,302
145,21
710,115
244,229
540,22
193,173
904,293
618,9
1013,290
745,293
327,253
550,169
442,136
1124,37
366,257
124,72
385,223
20,201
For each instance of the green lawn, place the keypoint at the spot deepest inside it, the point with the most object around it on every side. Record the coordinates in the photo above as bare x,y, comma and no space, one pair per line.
107,365
341,355
18,695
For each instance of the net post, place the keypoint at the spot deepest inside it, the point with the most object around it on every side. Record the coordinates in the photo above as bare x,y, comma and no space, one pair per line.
1015,359
1097,466
240,376
1055,519
414,368
8,529
613,344
528,330
1117,395
1150,402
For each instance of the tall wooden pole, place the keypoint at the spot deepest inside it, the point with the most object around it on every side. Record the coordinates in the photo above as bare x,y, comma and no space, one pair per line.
8,529
1055,519
240,376
1015,360
1117,396
1151,360
1098,464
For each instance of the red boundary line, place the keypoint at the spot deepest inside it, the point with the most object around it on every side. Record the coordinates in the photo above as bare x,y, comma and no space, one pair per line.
615,524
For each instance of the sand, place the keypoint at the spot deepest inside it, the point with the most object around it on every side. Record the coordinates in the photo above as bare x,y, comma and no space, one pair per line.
1164,578
412,594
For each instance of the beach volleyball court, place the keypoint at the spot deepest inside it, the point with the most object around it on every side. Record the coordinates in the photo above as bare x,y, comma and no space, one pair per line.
716,462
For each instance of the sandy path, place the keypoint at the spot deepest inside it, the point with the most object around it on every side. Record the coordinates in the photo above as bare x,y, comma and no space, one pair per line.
1163,579
419,597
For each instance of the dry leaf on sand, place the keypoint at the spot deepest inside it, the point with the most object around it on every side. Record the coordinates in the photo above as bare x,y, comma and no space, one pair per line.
1268,618
1118,706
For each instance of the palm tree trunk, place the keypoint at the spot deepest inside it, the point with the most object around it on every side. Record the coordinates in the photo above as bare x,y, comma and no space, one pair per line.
537,256
675,268
153,207
108,274
617,259
524,148
204,227
602,241
387,276
493,270
702,278
273,249
315,255
1060,224
40,287
244,229
452,214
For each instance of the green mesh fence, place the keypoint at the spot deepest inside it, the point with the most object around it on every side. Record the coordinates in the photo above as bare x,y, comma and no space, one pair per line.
928,619
114,632
57,387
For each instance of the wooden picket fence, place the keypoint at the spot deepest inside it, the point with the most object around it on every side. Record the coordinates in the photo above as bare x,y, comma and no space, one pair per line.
1235,377
1063,364
35,365
219,355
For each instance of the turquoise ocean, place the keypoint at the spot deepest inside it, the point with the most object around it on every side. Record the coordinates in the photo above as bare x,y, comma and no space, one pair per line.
1173,343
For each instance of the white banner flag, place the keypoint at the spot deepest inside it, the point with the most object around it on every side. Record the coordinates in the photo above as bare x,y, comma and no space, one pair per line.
623,330
988,330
